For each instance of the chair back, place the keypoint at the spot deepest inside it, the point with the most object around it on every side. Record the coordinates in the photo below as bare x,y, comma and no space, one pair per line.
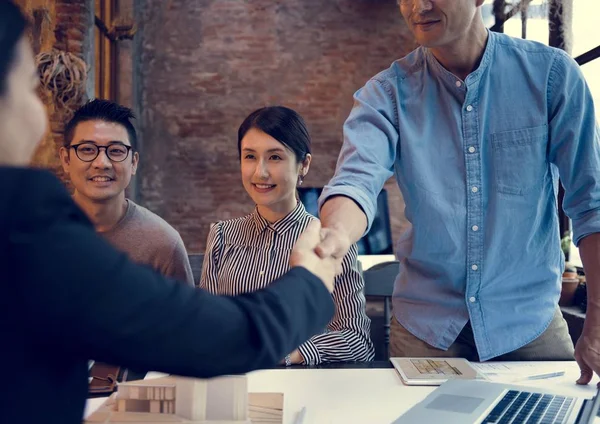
196,260
379,282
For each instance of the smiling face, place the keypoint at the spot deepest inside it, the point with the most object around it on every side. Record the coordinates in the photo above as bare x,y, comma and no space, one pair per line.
438,23
270,172
101,180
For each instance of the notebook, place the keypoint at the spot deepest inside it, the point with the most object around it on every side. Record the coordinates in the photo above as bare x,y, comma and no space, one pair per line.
434,371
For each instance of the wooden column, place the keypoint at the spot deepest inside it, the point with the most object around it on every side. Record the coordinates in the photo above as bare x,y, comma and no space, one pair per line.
105,52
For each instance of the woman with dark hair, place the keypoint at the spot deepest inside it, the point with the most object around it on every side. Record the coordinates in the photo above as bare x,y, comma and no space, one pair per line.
247,254
68,296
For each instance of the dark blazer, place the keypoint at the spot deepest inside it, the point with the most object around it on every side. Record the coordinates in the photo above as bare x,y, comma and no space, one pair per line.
68,296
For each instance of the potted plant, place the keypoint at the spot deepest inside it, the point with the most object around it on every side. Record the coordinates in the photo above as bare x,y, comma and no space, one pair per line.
569,277
569,285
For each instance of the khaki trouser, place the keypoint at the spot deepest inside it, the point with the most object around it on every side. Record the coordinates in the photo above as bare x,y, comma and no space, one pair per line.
554,344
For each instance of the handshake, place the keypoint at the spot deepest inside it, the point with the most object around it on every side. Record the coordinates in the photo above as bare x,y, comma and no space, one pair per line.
320,251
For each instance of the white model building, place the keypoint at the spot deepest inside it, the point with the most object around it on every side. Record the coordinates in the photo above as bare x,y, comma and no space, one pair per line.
222,400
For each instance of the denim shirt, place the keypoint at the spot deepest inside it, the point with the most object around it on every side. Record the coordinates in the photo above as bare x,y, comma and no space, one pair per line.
477,162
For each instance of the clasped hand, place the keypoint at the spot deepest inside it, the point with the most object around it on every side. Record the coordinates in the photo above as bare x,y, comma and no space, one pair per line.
324,265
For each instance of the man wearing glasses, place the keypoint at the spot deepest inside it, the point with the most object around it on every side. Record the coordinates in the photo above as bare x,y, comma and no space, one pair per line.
100,157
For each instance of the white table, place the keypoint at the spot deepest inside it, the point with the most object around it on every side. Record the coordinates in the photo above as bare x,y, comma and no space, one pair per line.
373,396
367,261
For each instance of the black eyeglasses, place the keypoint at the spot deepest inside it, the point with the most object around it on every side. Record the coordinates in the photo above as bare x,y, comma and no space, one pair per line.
88,152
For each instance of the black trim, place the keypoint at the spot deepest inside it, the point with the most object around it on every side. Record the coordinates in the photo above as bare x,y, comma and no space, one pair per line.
588,56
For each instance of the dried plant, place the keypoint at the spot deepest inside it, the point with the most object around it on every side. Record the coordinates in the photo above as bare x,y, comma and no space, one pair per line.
64,75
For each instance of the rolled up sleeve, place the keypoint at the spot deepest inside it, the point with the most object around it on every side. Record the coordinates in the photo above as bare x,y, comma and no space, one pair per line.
369,150
575,144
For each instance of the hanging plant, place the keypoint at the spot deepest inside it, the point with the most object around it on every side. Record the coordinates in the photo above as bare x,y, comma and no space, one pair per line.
64,75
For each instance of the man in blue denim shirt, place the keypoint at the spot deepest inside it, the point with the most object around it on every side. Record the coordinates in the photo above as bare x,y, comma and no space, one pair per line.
476,127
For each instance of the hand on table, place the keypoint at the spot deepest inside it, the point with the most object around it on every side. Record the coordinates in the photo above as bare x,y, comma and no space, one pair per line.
587,354
295,358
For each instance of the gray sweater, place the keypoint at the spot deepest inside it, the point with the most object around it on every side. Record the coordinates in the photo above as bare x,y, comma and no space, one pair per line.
149,239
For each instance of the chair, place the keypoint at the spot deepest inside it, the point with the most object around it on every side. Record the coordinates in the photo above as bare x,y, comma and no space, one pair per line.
378,241
196,264
379,282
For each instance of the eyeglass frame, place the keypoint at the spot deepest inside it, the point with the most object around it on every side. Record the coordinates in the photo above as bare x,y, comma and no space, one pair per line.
76,148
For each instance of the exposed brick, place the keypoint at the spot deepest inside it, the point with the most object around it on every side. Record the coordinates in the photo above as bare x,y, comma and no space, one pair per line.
205,66
74,35
68,8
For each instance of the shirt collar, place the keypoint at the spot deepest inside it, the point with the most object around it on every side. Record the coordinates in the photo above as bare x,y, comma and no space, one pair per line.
281,226
474,76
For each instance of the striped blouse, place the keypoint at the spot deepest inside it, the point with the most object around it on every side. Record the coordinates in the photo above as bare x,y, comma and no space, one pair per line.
246,254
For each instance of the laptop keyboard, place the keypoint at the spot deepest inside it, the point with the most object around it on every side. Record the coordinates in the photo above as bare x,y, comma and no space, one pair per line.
530,408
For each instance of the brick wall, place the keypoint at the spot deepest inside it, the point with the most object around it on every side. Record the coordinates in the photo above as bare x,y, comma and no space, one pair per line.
201,67
64,25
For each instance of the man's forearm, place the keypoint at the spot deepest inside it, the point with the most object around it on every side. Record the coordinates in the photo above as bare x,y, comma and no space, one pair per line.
344,214
589,249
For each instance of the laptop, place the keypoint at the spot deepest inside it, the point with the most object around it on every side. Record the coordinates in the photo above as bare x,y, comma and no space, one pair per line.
482,402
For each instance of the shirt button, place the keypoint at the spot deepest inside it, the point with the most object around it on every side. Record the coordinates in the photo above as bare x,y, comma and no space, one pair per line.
475,228
262,272
471,149
474,267
474,189
469,108
472,299
458,83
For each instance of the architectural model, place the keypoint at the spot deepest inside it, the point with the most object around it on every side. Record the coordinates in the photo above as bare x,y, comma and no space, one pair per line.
223,400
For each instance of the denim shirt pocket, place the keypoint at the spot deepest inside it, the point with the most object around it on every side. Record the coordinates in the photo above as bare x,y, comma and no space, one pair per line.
520,162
